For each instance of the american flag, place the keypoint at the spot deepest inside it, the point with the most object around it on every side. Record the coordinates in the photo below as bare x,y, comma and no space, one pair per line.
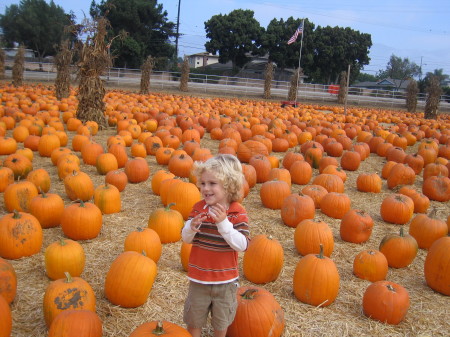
296,34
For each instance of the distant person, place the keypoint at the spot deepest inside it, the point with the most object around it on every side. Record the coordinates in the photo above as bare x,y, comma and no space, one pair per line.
217,227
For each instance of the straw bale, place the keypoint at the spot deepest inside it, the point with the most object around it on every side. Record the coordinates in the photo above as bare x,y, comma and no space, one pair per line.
2,64
18,67
63,60
184,75
147,68
268,77
427,316
292,95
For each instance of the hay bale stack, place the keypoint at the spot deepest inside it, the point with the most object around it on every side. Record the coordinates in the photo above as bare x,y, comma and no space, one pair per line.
147,68
63,60
184,75
434,94
18,67
342,88
411,96
268,77
94,60
292,95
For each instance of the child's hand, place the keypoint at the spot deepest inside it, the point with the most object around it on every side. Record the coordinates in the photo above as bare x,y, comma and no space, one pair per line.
196,222
218,213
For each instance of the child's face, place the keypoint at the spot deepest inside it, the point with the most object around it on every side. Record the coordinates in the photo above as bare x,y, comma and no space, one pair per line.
212,189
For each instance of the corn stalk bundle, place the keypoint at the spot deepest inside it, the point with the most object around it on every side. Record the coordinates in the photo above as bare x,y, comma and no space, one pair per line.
62,61
2,64
434,94
294,85
342,88
94,60
18,67
184,75
411,96
268,77
147,68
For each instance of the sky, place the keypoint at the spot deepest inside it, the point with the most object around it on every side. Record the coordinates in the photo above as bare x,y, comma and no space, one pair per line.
413,29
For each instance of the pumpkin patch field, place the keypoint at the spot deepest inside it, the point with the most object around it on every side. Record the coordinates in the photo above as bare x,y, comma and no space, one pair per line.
349,215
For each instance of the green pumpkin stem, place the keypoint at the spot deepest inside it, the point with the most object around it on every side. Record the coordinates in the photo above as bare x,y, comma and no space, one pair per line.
249,294
16,214
159,330
402,234
69,278
62,242
320,256
169,205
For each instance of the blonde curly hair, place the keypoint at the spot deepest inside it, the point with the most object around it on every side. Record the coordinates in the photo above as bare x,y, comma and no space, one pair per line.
227,169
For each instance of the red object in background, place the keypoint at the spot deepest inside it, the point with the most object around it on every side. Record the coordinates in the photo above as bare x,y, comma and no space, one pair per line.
333,89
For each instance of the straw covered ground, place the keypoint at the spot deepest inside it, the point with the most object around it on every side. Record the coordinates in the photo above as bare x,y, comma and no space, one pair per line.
428,314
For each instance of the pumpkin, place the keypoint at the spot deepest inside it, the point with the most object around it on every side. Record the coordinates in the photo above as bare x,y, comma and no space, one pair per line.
105,163
76,323
301,172
331,182
400,174
158,177
420,200
118,178
368,182
48,209
356,226
159,328
250,148
18,196
63,256
129,279
48,143
370,265
249,174
167,222
290,158
263,259
67,165
351,160
107,198
386,301
90,151
41,179
79,186
313,155
258,314
183,196
397,209
316,192
437,266
262,167
8,281
66,294
144,240
297,207
81,221
185,252
316,280
335,205
6,178
273,193
312,237
5,318
399,249
426,229
119,151
20,235
437,188
137,170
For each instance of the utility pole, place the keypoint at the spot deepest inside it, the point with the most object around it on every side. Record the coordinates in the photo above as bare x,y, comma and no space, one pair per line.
178,29
346,90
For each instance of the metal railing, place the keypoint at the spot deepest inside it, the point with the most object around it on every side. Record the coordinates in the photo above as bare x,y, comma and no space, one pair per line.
238,86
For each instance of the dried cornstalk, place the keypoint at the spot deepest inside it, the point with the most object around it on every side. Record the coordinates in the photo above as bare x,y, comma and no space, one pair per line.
268,77
62,61
434,94
147,68
18,67
184,75
342,88
294,85
94,60
2,64
411,96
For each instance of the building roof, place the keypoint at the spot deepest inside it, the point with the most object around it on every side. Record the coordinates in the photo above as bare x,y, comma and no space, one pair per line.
384,83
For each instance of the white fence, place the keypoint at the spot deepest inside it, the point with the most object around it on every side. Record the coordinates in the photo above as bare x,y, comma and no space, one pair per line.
238,86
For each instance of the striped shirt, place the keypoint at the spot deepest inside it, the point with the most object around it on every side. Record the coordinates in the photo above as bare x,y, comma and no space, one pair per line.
212,259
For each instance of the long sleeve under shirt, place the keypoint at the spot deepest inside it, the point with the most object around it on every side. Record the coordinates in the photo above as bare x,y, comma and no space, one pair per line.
214,253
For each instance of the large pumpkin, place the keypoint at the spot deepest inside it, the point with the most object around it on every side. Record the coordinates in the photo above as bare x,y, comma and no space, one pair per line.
144,240
273,193
183,196
167,222
399,249
130,279
427,229
397,208
76,323
79,186
258,314
81,221
437,266
20,235
107,198
159,328
263,259
65,294
8,281
18,196
316,280
386,302
370,265
313,237
356,226
5,318
48,209
63,256
296,208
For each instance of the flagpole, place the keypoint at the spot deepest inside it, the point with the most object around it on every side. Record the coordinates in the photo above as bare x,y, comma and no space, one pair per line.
299,60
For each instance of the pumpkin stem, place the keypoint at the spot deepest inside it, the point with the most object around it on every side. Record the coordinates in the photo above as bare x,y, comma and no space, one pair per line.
62,242
139,229
401,232
68,277
320,256
16,214
390,288
249,294
159,330
170,205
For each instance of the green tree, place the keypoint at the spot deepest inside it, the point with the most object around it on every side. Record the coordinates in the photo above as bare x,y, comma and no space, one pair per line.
148,28
274,42
36,25
334,49
233,36
399,69
365,77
